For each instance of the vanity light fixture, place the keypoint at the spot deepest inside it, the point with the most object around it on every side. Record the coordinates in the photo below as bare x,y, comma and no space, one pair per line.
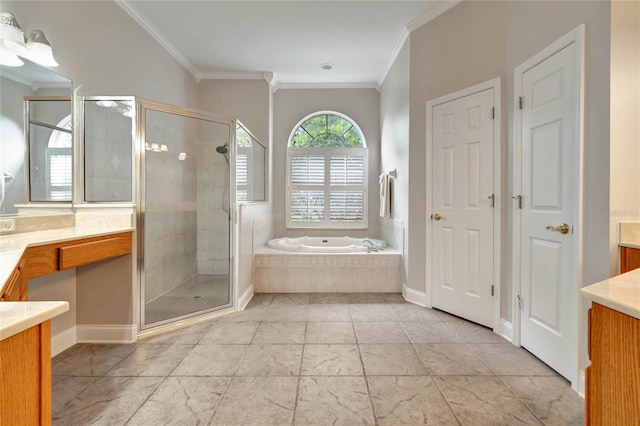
12,44
11,40
164,148
39,50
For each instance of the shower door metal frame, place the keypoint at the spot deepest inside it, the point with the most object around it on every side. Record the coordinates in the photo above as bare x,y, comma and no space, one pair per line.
142,105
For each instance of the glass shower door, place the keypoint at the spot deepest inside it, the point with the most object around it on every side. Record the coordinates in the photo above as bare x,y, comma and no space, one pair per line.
184,205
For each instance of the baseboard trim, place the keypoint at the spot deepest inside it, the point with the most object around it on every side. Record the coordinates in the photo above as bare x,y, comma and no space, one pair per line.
581,384
62,341
98,333
414,296
246,297
506,330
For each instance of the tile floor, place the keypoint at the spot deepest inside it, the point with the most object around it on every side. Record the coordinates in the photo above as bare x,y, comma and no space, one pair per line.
312,359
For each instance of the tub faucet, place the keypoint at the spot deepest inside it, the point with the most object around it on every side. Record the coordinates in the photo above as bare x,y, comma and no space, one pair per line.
371,246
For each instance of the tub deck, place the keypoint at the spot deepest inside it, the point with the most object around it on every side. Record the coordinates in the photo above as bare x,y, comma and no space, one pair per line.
277,271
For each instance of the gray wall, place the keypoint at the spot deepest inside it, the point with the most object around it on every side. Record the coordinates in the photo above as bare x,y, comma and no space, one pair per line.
477,41
291,106
98,45
246,100
394,146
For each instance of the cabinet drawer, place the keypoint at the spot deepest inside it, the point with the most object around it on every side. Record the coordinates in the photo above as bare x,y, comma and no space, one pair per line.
80,254
50,258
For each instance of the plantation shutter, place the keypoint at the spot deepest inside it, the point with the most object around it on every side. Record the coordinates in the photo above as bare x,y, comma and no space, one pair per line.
347,174
242,179
60,177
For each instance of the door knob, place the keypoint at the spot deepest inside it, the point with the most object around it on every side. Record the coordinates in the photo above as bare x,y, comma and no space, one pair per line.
563,228
438,216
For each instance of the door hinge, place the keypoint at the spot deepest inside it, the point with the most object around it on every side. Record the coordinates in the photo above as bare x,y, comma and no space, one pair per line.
493,113
520,102
519,198
519,302
492,289
492,197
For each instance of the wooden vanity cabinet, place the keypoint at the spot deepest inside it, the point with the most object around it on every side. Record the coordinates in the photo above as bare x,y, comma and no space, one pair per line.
15,289
629,259
25,377
612,388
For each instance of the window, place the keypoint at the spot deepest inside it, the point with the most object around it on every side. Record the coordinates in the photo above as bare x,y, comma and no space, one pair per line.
59,162
326,173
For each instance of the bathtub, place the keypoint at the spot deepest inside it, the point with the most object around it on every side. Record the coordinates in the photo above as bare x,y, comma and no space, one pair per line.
326,265
325,244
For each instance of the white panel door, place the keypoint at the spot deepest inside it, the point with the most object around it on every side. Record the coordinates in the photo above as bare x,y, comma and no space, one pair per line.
462,217
548,298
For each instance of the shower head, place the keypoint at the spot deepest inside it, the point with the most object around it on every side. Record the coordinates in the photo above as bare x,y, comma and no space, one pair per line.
222,149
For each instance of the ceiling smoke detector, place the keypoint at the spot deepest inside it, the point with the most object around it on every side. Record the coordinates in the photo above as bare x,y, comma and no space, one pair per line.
326,67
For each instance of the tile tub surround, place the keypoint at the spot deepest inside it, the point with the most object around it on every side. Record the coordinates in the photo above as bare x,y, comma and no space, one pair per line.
332,367
277,271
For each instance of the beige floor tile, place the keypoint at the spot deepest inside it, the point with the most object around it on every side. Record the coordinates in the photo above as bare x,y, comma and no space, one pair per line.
380,332
550,399
333,401
483,401
258,401
330,332
451,359
391,360
331,360
405,400
271,360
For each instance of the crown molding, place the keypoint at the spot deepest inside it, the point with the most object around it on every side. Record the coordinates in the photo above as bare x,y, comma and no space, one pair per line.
394,55
236,75
413,25
288,86
158,37
17,78
431,14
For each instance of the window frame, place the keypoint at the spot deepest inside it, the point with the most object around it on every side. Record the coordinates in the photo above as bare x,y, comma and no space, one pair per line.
327,188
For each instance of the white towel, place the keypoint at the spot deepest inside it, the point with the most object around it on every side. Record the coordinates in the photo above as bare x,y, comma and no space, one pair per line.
385,195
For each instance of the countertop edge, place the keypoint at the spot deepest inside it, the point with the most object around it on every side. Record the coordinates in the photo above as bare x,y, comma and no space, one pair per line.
10,258
629,245
12,326
619,293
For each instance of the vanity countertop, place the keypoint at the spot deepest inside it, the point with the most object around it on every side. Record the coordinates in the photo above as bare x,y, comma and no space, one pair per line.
13,246
621,293
16,317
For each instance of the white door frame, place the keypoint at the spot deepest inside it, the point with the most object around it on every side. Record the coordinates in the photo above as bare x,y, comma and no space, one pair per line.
497,186
575,36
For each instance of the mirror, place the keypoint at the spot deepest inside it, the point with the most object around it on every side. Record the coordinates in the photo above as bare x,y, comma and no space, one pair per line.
35,104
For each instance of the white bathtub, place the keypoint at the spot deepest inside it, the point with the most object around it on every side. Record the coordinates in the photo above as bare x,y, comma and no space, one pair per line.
325,244
326,265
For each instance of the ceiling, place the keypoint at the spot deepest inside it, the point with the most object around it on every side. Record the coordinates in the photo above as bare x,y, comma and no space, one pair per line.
288,40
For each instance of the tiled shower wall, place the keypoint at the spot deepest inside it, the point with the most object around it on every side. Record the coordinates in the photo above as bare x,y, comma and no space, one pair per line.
213,220
170,221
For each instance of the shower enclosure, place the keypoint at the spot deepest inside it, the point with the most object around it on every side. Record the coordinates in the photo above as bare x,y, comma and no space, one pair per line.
184,220
176,165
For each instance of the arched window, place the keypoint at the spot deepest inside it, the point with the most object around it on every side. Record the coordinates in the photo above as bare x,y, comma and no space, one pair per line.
326,173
